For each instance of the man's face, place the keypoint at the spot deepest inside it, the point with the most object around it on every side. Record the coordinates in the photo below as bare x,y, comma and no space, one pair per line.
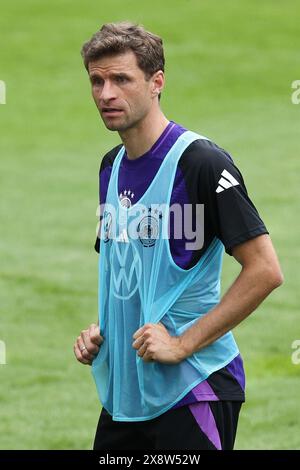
120,90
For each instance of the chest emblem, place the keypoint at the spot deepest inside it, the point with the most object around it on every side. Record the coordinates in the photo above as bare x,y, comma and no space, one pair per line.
149,227
126,198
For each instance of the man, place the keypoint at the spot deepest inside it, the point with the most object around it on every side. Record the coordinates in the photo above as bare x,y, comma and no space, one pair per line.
167,369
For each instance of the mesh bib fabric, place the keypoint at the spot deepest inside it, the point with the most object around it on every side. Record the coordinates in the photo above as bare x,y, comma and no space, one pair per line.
139,283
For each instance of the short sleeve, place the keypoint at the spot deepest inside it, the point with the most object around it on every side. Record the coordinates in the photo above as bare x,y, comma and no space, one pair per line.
227,205
104,177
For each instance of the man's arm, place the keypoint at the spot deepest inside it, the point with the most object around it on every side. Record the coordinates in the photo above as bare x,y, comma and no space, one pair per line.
260,274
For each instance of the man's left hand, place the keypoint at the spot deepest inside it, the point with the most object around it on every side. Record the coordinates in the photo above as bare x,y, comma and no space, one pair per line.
154,343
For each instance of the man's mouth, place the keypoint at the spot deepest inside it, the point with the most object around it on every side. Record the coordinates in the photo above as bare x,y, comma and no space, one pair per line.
110,111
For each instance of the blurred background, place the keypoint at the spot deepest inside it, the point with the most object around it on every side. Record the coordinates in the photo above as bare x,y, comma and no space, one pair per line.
230,65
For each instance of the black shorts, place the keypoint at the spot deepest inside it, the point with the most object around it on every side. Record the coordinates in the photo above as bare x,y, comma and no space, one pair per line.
200,426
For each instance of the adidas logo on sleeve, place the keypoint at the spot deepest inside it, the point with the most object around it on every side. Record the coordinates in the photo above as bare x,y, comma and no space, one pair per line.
227,181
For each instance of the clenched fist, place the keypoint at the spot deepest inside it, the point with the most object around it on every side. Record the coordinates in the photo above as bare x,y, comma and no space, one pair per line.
87,345
154,343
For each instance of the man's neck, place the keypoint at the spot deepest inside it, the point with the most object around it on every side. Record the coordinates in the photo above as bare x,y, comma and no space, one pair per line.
141,138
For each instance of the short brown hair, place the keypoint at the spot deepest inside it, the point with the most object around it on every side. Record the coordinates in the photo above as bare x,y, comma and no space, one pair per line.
117,38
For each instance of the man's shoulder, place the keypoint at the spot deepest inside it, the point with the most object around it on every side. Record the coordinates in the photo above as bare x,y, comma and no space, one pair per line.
109,157
203,154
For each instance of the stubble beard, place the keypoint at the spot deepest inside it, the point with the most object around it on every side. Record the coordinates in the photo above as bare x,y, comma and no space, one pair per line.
125,124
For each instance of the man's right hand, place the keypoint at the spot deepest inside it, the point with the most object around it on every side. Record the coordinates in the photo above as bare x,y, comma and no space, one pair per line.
87,345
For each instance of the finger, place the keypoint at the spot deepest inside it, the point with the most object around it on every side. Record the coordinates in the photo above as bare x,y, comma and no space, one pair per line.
148,357
94,333
78,355
142,350
138,342
76,351
83,350
141,330
138,333
91,348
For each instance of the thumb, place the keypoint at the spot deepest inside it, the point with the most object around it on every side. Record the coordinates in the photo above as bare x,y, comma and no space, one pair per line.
94,333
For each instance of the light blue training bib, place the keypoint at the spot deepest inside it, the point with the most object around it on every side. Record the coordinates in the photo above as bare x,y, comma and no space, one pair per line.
139,283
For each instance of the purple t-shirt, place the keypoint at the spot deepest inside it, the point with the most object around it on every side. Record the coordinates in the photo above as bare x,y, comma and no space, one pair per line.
136,175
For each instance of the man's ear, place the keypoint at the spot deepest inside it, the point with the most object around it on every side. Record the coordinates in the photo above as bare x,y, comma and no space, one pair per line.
158,81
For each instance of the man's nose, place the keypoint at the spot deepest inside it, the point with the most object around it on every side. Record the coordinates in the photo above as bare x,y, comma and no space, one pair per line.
108,92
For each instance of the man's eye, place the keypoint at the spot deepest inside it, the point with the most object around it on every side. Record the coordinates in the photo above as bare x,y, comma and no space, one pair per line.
121,79
97,81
